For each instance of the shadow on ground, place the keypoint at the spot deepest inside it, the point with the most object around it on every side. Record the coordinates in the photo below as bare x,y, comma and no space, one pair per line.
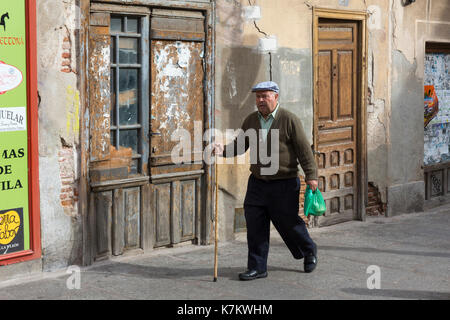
375,250
400,294
154,272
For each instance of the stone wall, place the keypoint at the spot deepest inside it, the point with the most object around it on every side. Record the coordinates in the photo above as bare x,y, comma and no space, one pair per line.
59,105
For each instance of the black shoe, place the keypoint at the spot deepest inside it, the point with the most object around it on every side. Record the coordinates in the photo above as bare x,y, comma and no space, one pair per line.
252,274
310,263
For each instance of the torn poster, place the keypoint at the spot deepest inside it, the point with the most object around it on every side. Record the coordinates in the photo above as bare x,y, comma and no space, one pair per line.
431,107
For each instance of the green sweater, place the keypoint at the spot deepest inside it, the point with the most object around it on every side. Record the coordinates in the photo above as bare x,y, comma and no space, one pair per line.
266,161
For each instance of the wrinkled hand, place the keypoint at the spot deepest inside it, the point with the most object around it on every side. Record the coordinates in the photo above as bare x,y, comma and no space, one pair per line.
217,149
313,184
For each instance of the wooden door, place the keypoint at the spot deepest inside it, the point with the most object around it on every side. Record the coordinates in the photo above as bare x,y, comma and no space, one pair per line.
176,59
336,118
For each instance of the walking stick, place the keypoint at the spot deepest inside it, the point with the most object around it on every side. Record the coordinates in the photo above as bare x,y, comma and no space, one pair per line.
216,222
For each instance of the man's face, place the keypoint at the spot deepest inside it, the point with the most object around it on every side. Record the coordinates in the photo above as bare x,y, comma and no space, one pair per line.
266,101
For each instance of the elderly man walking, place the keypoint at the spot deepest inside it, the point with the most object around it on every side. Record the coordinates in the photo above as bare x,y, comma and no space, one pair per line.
274,197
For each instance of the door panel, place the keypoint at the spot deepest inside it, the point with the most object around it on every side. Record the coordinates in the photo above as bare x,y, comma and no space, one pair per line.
177,95
132,218
103,217
177,102
188,208
325,85
345,84
161,205
336,119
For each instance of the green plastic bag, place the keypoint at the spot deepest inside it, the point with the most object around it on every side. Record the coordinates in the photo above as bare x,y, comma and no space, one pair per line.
314,204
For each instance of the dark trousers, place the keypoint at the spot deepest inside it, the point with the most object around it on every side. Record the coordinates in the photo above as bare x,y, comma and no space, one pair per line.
276,201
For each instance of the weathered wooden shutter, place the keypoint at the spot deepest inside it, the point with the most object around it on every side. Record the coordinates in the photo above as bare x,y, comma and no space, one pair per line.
99,86
181,25
177,101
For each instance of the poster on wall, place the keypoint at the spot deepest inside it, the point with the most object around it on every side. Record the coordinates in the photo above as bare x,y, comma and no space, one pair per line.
437,74
431,107
14,191
437,108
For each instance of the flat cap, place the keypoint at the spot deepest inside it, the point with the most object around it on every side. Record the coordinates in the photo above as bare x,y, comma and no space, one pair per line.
266,86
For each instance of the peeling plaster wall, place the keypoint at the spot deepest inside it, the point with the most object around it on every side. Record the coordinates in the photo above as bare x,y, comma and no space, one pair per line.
412,26
239,66
405,157
58,132
378,102
396,38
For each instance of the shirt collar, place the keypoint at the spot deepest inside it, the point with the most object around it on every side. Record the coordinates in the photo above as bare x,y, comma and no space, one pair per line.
273,114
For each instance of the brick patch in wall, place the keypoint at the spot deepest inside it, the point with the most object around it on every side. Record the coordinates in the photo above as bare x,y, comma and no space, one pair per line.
66,55
375,206
69,192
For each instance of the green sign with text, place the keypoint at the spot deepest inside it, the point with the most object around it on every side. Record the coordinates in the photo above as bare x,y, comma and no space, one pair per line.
14,208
